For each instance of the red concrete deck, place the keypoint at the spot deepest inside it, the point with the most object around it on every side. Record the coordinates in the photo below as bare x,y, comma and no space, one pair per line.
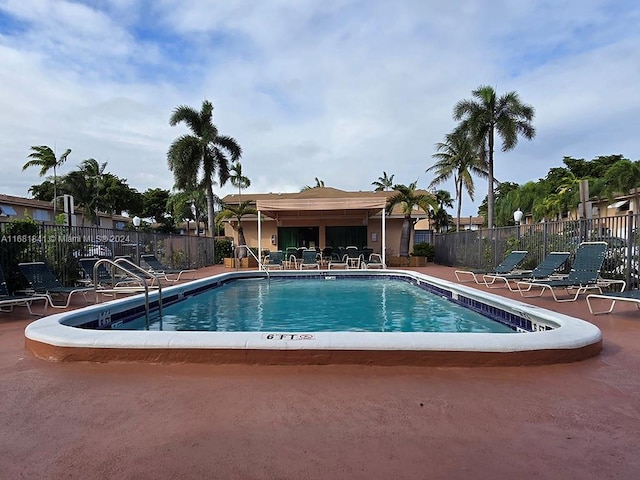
85,421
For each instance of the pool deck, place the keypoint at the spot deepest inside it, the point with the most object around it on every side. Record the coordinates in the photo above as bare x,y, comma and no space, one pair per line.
139,421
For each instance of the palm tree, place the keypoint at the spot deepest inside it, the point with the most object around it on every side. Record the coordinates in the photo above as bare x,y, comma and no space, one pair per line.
237,179
93,172
237,212
383,183
489,115
459,157
45,158
622,177
194,159
441,219
319,184
408,198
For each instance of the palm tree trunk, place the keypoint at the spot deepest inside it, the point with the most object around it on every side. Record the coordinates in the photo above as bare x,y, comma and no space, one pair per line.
55,200
242,252
459,194
490,196
211,219
405,236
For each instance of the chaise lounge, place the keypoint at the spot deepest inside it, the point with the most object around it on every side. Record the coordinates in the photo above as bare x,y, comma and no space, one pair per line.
508,265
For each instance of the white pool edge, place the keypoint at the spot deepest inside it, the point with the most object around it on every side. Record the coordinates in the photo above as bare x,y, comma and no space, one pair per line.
571,333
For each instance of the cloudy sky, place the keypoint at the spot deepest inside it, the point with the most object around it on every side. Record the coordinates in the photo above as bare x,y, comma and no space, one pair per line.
341,90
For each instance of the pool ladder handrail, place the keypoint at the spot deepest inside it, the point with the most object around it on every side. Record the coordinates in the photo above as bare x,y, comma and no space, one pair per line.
154,278
115,289
246,247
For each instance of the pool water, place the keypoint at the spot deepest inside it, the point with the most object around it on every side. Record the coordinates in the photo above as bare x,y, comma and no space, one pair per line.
319,305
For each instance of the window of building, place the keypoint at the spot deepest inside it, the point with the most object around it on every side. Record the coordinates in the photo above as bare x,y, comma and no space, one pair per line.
7,211
41,215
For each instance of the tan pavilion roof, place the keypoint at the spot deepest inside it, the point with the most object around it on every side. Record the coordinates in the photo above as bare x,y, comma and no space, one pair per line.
322,201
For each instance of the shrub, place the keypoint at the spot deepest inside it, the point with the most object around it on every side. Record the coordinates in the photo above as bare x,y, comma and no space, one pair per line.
424,250
222,249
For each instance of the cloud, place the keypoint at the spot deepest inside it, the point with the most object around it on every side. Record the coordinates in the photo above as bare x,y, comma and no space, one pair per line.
340,90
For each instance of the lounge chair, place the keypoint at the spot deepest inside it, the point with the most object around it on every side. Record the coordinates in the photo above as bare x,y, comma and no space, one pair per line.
584,275
338,262
545,269
353,257
309,259
508,265
161,270
274,260
631,296
373,261
102,278
43,282
7,301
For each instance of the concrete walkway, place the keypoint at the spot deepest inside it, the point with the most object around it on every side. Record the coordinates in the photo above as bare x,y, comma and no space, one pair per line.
129,421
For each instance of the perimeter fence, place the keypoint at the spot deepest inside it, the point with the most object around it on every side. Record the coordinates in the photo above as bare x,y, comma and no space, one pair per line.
60,247
485,248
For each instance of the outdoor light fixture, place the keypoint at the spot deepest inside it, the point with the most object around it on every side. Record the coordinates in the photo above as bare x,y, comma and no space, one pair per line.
517,216
136,221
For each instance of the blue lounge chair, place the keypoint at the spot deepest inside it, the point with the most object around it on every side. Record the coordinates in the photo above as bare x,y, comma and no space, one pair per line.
631,296
309,259
508,265
43,282
161,270
547,268
338,262
103,275
7,301
584,275
374,260
274,260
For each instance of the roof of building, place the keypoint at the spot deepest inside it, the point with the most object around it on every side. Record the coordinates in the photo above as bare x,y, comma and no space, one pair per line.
320,200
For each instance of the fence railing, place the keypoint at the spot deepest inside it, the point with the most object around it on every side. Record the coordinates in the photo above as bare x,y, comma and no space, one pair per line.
484,248
61,246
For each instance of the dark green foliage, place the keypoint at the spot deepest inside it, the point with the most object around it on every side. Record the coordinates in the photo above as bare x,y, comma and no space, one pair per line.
222,249
424,250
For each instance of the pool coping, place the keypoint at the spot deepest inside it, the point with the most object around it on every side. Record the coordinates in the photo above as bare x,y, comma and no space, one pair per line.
570,339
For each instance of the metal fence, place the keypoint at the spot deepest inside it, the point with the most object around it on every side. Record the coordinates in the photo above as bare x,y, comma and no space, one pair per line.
484,248
61,247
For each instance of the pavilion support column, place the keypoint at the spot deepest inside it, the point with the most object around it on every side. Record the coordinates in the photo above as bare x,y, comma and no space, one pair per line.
384,237
259,239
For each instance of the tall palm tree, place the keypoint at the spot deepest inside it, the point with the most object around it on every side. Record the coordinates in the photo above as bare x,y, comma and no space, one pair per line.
93,172
439,215
195,158
237,212
408,198
487,115
383,183
44,157
237,179
458,157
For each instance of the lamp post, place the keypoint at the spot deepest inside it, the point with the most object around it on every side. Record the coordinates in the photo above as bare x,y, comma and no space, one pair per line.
517,217
193,213
136,224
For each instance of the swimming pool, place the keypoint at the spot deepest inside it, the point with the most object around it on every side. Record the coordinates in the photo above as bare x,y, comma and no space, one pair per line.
325,304
89,333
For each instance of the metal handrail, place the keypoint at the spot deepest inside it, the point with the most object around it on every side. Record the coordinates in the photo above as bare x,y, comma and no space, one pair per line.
148,274
246,247
114,288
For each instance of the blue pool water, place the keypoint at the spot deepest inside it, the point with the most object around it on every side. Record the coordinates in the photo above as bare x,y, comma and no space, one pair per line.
317,305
